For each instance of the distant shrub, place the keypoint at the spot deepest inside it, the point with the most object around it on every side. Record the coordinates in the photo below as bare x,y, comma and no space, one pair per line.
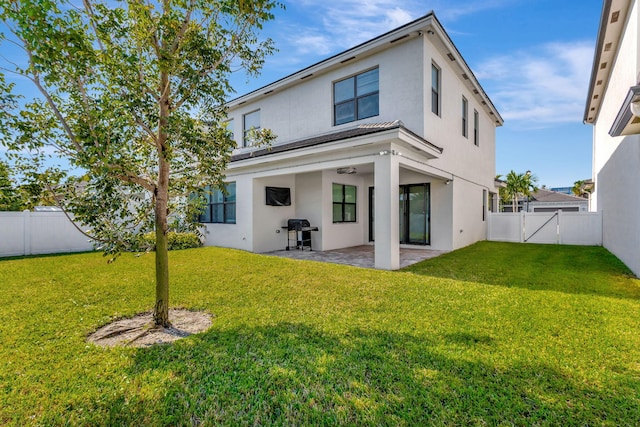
176,240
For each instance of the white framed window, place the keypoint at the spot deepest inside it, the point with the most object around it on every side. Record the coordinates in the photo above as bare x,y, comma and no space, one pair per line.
476,128
230,125
435,89
251,121
465,117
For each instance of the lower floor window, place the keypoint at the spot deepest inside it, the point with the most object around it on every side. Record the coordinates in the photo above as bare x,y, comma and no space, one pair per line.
344,203
220,205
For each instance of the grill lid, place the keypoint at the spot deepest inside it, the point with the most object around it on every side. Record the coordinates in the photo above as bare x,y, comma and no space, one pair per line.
293,223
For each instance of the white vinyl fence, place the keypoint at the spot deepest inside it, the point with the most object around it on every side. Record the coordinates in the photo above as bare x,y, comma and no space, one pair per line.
31,233
567,228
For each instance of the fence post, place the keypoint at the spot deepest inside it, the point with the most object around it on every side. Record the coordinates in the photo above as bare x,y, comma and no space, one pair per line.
489,217
558,234
26,216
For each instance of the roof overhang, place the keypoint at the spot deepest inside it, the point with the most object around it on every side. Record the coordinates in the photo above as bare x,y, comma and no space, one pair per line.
369,135
426,26
612,24
626,123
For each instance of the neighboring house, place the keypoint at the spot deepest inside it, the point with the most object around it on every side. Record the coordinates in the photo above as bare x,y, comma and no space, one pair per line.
389,143
613,107
550,201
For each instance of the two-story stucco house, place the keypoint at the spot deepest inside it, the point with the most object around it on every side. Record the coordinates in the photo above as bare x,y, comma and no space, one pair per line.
389,143
613,107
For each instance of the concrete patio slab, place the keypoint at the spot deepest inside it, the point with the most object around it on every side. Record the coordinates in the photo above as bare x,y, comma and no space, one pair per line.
358,256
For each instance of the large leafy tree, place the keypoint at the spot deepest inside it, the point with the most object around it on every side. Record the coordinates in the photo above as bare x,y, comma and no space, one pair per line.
131,95
9,197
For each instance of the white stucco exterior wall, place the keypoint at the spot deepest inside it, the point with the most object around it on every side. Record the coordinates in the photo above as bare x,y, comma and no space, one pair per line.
307,108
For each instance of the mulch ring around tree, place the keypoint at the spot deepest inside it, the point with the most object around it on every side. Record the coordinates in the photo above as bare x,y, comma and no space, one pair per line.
140,331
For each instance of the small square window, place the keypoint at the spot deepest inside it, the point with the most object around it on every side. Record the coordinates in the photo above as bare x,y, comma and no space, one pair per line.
344,203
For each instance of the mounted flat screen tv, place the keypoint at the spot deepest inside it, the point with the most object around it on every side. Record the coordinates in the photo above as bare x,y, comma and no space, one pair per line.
278,196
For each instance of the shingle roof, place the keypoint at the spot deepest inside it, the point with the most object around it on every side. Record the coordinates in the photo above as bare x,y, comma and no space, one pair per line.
362,130
547,196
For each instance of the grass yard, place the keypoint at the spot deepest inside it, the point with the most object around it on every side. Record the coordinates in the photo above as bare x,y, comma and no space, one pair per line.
493,334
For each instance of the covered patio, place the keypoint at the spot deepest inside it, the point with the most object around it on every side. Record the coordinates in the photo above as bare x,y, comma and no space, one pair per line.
358,256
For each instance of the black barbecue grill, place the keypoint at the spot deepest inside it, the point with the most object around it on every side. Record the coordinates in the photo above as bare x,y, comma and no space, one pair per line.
299,233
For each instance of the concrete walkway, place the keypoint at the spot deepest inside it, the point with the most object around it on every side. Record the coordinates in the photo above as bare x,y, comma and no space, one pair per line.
359,256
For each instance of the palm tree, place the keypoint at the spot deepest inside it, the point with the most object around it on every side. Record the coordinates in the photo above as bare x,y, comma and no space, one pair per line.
519,185
582,188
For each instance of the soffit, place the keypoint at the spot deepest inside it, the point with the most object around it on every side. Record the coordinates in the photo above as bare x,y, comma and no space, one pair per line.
612,24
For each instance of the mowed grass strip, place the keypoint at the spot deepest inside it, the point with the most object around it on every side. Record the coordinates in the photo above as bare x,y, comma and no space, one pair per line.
493,334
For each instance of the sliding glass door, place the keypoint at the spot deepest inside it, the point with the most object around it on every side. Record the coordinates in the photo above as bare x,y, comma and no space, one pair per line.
414,207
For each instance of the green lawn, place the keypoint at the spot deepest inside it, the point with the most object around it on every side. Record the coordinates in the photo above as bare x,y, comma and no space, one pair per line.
494,334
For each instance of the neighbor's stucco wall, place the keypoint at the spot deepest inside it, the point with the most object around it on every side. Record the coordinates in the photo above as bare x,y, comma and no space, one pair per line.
616,160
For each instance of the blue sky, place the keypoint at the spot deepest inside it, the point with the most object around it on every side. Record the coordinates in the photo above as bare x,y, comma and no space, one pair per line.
533,58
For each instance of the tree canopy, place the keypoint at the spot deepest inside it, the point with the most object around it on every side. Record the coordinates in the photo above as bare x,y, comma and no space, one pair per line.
132,96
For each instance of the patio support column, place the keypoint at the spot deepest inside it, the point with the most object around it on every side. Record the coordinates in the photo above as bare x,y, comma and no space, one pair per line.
386,184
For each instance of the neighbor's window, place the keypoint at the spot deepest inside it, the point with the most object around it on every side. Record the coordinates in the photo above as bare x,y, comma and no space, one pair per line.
476,128
435,89
344,203
356,98
251,121
220,205
465,116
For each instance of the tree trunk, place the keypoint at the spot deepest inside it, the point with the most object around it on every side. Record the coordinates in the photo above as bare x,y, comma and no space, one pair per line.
161,310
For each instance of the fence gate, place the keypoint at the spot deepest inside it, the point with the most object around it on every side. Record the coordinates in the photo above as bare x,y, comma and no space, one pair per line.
568,228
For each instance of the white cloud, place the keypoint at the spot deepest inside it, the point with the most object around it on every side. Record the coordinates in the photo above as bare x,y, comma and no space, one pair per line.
335,25
447,11
541,86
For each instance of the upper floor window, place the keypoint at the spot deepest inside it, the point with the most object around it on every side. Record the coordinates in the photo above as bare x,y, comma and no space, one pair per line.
344,203
465,115
435,89
251,121
220,205
476,128
230,126
356,97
